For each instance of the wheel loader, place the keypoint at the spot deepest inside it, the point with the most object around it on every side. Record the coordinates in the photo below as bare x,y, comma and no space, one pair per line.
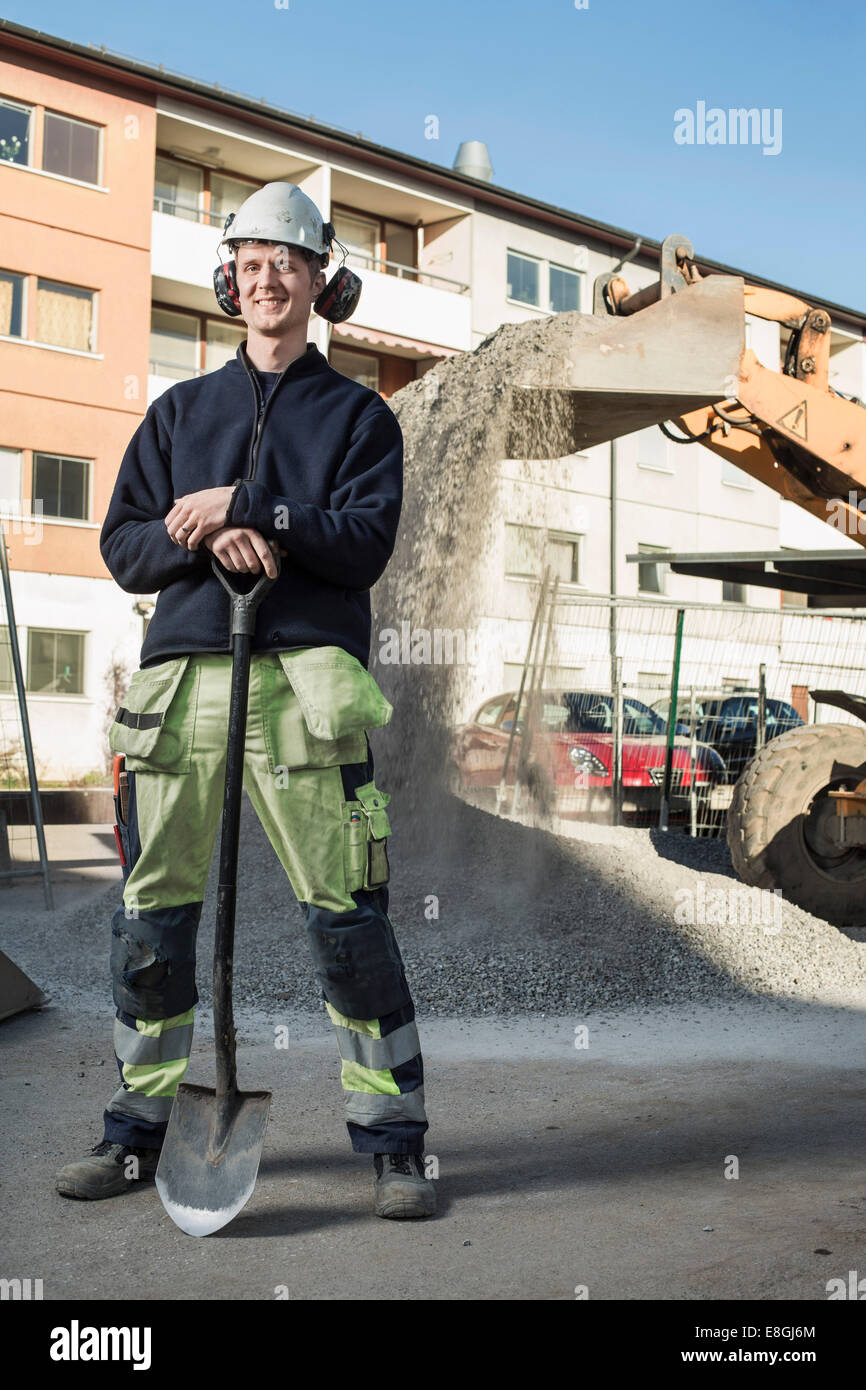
673,354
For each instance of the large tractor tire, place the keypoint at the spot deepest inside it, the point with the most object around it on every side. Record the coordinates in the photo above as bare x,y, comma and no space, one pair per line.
782,824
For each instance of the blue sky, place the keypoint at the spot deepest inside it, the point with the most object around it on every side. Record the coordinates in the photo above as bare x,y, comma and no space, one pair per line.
577,106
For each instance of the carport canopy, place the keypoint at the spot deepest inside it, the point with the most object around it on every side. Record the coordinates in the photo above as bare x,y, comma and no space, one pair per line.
830,578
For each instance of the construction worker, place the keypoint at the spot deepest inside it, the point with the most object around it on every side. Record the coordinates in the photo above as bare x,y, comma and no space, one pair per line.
276,449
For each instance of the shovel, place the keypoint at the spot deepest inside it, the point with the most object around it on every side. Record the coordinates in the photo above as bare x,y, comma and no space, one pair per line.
210,1158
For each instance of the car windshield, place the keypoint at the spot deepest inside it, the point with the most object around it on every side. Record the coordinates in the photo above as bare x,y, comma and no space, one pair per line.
746,708
582,712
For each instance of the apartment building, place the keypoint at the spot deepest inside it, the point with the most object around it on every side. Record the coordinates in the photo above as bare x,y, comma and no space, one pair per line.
115,182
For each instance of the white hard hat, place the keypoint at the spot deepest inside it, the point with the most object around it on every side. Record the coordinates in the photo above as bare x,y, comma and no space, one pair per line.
280,212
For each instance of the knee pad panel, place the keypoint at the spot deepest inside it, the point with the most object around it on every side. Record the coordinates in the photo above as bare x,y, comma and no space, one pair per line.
358,963
153,960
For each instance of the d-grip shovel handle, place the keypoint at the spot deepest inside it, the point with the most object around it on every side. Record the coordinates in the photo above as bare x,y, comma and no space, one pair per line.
244,605
243,627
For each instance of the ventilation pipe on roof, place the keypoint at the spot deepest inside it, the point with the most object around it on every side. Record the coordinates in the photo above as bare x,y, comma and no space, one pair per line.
473,160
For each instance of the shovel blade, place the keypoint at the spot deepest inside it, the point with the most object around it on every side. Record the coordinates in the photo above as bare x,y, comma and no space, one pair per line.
208,1166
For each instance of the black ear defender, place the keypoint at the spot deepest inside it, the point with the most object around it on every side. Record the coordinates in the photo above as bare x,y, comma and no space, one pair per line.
225,282
336,303
339,299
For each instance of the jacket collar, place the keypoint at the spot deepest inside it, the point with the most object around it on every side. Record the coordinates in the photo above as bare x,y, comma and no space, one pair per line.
309,363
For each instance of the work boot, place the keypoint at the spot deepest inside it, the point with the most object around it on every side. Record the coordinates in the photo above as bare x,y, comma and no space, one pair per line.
402,1190
103,1173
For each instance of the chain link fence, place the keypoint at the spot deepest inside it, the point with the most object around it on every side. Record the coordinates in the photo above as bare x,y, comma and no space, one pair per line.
592,733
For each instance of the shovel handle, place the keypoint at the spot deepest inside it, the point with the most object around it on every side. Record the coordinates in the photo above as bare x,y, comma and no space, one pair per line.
244,605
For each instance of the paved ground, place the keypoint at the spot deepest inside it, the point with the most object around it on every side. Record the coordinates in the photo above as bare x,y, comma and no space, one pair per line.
600,1166
560,1166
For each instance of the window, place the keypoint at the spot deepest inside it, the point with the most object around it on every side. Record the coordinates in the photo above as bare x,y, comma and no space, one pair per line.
221,343
652,450
65,315
62,485
178,189
174,342
10,481
12,311
523,279
651,575
55,662
564,289
359,235
528,549
357,366
373,241
15,124
523,551
734,476
489,713
563,557
401,244
556,677
226,195
178,341
71,147
733,593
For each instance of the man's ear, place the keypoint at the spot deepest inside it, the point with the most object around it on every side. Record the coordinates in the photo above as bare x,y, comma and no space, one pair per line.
319,284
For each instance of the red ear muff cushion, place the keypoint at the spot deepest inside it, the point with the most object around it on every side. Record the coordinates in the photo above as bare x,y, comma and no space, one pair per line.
226,289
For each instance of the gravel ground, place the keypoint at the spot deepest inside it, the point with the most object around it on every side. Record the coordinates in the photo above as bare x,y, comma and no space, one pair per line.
528,922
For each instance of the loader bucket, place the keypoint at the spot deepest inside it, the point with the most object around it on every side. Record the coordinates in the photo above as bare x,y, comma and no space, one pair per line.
601,376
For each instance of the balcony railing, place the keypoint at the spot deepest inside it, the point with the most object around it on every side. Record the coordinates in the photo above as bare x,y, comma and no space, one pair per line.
158,367
407,272
174,208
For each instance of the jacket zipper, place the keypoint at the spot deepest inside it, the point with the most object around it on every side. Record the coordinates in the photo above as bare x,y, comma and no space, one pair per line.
262,410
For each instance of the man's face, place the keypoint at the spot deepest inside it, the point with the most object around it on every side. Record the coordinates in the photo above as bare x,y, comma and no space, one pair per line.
276,286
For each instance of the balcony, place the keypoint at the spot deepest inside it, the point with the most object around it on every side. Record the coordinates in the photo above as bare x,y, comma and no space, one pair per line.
183,249
396,298
412,303
161,375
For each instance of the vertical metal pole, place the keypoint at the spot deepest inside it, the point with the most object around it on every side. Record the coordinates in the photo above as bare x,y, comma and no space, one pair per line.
612,562
693,763
536,695
501,792
672,723
25,724
761,734
616,768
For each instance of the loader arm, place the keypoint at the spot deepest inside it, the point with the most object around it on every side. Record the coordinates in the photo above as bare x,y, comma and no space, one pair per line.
793,432
675,351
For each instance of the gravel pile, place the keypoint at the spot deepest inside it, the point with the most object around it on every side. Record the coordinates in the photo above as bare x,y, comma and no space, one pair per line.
528,922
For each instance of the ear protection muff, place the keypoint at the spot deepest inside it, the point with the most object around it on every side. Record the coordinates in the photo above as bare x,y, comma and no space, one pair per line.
339,299
336,303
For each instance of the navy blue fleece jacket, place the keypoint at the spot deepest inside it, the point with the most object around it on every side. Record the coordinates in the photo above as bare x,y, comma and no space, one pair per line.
324,478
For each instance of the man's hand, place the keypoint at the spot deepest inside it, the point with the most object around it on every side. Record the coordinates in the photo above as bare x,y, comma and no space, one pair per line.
197,515
242,550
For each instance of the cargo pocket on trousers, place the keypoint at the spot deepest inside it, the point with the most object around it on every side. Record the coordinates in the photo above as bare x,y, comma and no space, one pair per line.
365,832
335,701
154,725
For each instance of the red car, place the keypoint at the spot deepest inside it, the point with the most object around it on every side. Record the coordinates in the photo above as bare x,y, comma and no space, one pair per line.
571,753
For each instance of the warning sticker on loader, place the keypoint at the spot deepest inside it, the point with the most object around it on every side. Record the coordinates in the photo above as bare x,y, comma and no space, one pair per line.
795,421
